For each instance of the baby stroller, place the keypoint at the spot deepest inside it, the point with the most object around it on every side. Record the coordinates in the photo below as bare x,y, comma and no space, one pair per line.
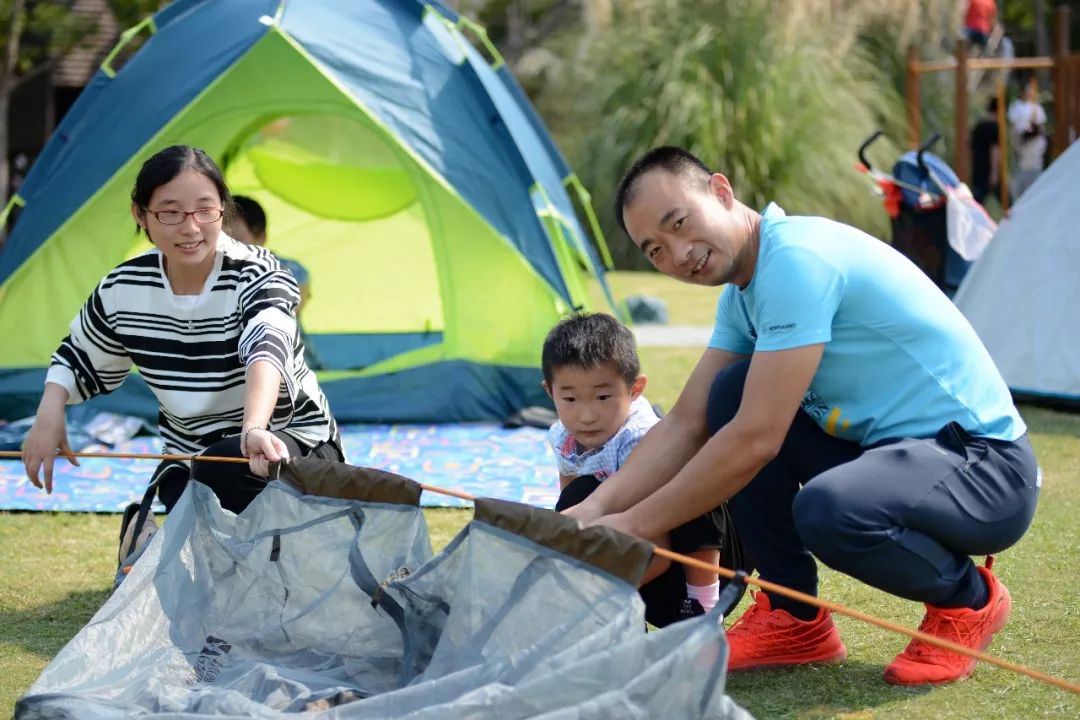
936,223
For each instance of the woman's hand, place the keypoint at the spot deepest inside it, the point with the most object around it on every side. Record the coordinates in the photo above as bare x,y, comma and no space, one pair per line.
47,435
262,447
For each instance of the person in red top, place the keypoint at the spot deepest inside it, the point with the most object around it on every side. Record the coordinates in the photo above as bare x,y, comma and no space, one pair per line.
979,21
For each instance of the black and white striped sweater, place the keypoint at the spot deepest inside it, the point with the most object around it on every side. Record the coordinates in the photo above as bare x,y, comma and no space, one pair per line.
193,351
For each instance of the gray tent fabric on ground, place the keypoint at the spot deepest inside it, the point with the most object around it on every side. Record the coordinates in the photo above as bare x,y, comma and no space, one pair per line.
337,608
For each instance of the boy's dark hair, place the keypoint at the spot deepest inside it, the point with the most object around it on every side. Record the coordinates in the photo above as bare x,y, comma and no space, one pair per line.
675,160
587,340
251,212
166,164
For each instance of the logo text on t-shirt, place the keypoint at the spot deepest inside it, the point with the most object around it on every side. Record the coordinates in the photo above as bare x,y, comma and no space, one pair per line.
782,328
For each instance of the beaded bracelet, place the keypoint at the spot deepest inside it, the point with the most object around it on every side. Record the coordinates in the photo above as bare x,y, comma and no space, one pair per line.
244,435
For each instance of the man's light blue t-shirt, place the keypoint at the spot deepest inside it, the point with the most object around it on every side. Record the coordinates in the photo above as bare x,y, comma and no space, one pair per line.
900,360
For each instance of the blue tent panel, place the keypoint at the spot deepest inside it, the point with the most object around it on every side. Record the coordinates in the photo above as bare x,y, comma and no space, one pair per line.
20,391
480,392
352,351
544,161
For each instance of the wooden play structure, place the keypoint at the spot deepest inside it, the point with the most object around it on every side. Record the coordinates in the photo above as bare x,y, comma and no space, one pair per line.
1063,64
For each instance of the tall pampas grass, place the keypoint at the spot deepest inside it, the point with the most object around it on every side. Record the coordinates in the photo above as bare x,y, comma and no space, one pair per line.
775,94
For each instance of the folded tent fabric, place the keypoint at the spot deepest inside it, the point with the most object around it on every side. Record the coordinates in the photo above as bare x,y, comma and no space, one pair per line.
304,602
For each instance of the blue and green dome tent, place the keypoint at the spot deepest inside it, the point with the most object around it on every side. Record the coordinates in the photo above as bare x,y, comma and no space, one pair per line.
408,173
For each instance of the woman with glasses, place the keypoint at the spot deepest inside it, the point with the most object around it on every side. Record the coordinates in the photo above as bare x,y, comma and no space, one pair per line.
210,324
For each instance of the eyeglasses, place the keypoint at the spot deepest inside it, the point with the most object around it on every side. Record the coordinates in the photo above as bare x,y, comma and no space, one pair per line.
203,216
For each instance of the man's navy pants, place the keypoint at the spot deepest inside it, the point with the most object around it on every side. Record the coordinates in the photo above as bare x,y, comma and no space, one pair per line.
902,516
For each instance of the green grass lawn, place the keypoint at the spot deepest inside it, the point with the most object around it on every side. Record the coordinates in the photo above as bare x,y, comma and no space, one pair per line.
686,304
55,571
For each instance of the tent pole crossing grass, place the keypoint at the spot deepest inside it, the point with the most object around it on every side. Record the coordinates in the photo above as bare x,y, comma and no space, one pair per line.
684,560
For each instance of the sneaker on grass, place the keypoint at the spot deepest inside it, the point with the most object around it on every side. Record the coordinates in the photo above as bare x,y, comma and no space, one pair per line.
923,664
764,638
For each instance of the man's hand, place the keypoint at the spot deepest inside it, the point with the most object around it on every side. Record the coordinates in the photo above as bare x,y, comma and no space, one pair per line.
775,385
585,513
617,521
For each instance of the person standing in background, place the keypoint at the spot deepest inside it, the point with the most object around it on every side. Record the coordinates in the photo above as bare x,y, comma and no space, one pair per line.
1027,120
985,154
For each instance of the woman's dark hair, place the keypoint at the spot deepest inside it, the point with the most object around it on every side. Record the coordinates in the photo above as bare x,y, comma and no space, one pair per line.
166,164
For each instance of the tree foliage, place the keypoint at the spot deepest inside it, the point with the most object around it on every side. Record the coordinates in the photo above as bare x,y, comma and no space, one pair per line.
761,91
130,12
34,35
46,30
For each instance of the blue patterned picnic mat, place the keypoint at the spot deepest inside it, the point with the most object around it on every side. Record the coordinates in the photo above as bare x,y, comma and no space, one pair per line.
479,459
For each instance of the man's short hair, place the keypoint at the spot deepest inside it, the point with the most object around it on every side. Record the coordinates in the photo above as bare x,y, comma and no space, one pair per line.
675,160
588,340
251,212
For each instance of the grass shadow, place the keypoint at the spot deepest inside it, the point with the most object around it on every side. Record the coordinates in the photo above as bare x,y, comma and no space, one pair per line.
44,629
848,690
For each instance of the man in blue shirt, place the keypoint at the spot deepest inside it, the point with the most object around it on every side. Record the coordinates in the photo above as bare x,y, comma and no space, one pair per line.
844,408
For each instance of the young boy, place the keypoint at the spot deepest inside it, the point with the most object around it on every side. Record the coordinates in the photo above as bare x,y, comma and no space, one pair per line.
593,375
249,226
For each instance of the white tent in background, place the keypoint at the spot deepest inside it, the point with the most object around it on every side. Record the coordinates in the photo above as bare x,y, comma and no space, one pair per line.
1023,295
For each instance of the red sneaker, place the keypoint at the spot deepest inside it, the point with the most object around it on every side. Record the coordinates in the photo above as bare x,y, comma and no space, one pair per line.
764,637
922,664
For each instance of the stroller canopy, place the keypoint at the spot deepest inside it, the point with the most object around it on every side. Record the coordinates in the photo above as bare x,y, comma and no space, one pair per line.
908,172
